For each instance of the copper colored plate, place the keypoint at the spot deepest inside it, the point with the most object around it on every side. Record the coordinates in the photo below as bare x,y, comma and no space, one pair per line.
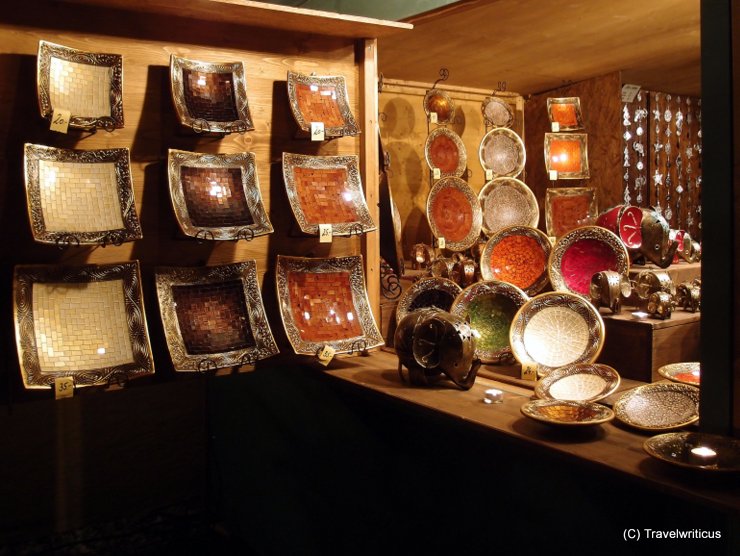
323,99
517,255
326,190
453,213
502,151
675,448
323,302
581,382
567,208
445,150
583,252
567,154
659,406
686,373
83,322
568,413
427,292
556,329
507,202
439,102
566,111
497,112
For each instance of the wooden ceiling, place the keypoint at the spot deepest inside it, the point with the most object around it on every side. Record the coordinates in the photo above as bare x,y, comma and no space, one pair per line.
538,45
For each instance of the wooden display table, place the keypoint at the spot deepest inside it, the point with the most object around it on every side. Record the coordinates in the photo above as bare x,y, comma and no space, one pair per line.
679,272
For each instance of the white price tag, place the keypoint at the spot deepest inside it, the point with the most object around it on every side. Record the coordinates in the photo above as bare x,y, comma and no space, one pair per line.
489,174
433,117
553,175
326,355
436,173
60,120
64,387
326,234
313,87
317,131
441,243
555,127
529,371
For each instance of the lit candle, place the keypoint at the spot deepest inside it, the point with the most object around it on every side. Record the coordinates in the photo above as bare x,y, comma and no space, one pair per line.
493,395
701,455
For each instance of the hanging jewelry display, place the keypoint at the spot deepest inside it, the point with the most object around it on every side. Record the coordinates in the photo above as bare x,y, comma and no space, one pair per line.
634,148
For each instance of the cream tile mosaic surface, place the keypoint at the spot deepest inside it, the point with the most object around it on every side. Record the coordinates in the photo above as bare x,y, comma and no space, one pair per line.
79,197
81,326
83,89
556,336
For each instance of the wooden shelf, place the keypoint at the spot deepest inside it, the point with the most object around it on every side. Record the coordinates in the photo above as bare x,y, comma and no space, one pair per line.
259,14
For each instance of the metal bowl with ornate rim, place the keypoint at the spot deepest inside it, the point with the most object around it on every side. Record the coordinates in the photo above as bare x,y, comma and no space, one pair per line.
502,151
567,413
517,255
497,112
583,252
556,329
686,373
696,450
659,406
454,213
507,202
323,99
445,150
582,382
439,102
427,292
489,307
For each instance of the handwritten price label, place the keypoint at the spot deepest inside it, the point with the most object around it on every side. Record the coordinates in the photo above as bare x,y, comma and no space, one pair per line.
64,387
60,120
325,233
317,131
553,175
489,174
529,371
326,355
555,126
441,243
433,117
436,173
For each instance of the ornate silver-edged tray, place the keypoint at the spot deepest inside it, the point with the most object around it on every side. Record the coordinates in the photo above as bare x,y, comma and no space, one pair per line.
427,292
696,450
567,208
567,154
439,102
213,316
686,373
579,382
87,84
326,190
217,196
566,112
502,151
567,413
454,213
507,202
323,302
323,99
660,406
445,150
84,322
518,255
80,197
497,112
210,97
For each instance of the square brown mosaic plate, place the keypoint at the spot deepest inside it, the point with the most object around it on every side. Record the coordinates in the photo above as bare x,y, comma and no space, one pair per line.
567,208
210,98
566,111
213,316
217,196
567,154
326,190
87,84
322,99
84,322
80,197
323,302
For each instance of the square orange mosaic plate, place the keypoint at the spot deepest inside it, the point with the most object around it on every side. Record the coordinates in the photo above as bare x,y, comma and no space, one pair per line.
567,154
567,208
566,111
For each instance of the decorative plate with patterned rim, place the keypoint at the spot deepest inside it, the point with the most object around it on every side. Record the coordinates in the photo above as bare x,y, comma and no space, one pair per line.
583,252
497,112
566,111
567,208
323,302
324,99
502,151
217,196
444,149
80,197
507,202
210,97
568,413
567,154
660,406
213,316
676,448
84,322
489,307
454,213
88,84
686,373
579,382
439,102
427,292
556,329
518,255
326,190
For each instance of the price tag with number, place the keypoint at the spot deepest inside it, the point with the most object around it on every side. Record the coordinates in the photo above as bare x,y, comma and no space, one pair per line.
325,233
436,173
433,117
489,174
555,127
64,387
326,355
529,371
60,120
317,131
441,243
553,175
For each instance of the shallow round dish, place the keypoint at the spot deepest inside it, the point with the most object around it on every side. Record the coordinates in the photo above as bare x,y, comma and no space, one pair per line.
427,292
453,213
556,329
507,202
659,407
568,413
685,373
580,382
497,112
675,448
517,255
489,307
502,151
439,102
445,150
583,252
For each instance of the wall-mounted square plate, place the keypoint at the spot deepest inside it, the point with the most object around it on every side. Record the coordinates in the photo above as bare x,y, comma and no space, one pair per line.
566,112
567,208
323,99
567,154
